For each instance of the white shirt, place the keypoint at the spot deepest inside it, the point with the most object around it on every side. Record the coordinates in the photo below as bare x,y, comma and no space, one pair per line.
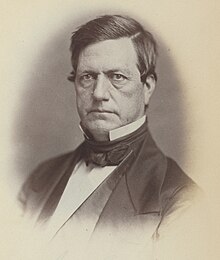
83,181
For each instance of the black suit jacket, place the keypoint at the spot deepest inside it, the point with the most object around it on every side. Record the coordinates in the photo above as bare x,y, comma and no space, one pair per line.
146,187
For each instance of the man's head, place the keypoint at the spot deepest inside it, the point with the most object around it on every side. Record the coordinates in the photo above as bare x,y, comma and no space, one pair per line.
113,61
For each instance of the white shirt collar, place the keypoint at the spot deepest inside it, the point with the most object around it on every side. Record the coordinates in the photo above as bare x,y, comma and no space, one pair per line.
124,130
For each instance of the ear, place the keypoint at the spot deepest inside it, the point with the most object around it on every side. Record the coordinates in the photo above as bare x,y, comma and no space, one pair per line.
149,87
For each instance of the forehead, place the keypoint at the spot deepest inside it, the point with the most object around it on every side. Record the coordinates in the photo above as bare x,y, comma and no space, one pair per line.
108,54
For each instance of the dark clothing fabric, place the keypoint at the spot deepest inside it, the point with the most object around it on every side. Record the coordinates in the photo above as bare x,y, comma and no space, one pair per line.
145,182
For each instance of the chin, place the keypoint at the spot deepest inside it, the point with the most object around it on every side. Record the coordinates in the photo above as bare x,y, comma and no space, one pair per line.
101,127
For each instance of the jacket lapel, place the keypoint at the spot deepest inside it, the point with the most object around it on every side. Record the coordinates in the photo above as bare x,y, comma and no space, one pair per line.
146,177
56,184
135,198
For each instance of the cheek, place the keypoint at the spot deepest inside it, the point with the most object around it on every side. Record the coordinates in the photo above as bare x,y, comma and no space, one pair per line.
132,103
83,100
134,98
82,109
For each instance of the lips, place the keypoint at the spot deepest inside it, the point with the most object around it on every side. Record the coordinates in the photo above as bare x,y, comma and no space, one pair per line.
100,111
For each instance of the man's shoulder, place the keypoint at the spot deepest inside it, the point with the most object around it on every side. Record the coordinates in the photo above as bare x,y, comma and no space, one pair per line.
52,166
45,176
182,200
175,177
179,191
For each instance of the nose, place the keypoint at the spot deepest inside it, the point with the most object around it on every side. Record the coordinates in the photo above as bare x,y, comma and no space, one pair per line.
101,88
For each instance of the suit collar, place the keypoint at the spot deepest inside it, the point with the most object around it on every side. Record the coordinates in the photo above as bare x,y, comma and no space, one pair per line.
146,176
144,170
140,178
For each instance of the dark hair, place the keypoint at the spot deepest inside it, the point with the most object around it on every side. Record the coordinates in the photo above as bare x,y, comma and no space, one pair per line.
109,27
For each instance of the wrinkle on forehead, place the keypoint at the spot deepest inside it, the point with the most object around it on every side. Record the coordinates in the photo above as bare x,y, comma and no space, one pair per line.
109,55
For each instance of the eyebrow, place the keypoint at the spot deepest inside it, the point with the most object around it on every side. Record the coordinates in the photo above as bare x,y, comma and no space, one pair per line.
107,71
87,71
118,70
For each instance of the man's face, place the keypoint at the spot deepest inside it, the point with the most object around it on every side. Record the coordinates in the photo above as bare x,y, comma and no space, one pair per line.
109,92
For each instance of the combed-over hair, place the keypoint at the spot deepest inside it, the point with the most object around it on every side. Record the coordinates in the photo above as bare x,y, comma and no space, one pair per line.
110,27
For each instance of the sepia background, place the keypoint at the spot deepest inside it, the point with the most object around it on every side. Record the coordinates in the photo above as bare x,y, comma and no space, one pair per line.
38,115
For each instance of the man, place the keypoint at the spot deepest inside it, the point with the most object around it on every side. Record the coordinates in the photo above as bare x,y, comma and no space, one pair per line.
117,181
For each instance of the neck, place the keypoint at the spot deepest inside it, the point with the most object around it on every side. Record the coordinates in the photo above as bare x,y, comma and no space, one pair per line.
99,135
113,152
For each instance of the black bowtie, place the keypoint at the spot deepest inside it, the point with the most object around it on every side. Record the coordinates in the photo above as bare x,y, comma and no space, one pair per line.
111,153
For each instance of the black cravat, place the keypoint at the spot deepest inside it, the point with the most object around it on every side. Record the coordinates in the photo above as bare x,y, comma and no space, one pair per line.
111,153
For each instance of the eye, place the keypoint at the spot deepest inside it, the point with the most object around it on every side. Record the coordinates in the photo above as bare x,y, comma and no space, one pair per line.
87,77
118,77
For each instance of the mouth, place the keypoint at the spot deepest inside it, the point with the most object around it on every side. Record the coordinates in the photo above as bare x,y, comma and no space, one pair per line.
101,111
